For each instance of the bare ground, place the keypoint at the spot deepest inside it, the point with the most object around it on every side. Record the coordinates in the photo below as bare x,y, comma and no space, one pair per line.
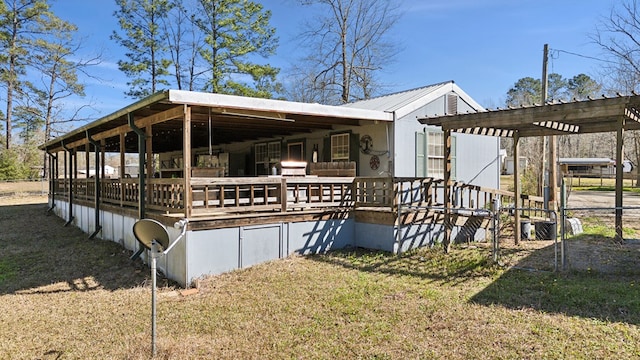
583,252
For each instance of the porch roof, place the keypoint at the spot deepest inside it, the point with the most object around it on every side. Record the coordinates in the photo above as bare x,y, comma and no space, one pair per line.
233,119
563,118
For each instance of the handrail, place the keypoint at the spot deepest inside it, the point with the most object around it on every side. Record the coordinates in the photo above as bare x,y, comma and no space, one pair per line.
283,194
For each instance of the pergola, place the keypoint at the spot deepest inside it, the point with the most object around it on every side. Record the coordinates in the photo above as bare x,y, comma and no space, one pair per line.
613,114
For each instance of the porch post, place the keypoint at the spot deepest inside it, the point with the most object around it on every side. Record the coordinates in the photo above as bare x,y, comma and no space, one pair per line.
149,168
446,243
96,183
186,160
619,178
141,168
122,168
103,162
52,179
516,186
87,152
69,169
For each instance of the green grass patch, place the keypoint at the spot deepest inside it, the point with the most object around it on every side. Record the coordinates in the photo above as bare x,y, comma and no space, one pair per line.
8,270
596,226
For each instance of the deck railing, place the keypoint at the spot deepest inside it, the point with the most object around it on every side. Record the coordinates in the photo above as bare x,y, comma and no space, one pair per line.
230,195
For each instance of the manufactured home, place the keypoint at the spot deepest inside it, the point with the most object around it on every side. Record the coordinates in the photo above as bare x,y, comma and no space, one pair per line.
260,179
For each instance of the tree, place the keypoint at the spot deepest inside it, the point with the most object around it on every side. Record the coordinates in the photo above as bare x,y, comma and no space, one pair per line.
526,91
347,46
146,44
582,86
21,22
236,32
184,40
618,35
57,64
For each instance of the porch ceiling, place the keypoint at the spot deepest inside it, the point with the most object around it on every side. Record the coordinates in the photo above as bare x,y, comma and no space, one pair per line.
578,117
232,119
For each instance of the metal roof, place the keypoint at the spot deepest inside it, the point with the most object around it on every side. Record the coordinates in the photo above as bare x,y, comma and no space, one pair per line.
586,161
233,119
405,102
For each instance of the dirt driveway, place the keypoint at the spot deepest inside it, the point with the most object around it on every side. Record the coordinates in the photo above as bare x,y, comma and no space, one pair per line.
601,204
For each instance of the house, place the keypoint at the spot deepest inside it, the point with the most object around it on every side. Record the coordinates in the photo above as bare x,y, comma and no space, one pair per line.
592,167
260,179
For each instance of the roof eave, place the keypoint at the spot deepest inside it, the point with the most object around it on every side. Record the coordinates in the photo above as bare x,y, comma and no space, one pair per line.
151,99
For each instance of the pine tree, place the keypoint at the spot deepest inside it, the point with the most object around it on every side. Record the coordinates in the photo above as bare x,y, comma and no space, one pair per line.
236,33
21,23
145,41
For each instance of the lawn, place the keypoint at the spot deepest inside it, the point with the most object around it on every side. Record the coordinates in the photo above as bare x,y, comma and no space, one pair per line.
63,296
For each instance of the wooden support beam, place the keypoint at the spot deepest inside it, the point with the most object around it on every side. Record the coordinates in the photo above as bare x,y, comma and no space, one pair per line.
516,187
122,167
619,177
186,148
446,242
170,114
149,161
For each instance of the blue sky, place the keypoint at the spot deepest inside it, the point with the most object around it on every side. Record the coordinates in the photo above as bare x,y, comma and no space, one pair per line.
485,46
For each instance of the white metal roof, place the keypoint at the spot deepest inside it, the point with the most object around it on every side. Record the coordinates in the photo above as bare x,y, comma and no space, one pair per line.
405,102
586,161
274,106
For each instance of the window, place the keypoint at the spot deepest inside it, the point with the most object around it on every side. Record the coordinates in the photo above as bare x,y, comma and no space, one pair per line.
295,151
340,147
430,154
267,154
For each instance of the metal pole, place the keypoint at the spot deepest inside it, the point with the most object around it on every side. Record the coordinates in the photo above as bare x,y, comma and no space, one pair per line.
495,208
563,218
154,252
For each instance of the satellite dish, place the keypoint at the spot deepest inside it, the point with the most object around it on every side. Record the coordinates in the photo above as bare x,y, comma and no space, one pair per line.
148,230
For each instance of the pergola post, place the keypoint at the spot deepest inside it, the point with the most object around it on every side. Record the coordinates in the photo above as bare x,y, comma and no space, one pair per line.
446,243
619,177
516,187
553,173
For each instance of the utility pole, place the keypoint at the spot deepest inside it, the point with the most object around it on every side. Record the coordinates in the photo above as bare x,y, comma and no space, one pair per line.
552,141
544,140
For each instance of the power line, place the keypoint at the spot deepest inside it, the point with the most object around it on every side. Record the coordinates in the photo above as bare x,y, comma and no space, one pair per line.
584,56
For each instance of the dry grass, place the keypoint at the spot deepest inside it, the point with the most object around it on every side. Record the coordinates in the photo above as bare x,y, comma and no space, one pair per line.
506,182
65,297
19,188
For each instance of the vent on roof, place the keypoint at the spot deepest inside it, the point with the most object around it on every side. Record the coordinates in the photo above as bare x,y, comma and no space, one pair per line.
452,104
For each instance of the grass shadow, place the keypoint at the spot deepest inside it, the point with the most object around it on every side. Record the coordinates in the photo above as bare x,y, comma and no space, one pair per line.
39,255
423,263
529,281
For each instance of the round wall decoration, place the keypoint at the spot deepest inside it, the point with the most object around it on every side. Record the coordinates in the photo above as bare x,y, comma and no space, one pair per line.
374,162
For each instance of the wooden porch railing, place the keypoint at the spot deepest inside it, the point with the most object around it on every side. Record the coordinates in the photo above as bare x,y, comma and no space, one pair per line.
277,193
247,194
429,193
